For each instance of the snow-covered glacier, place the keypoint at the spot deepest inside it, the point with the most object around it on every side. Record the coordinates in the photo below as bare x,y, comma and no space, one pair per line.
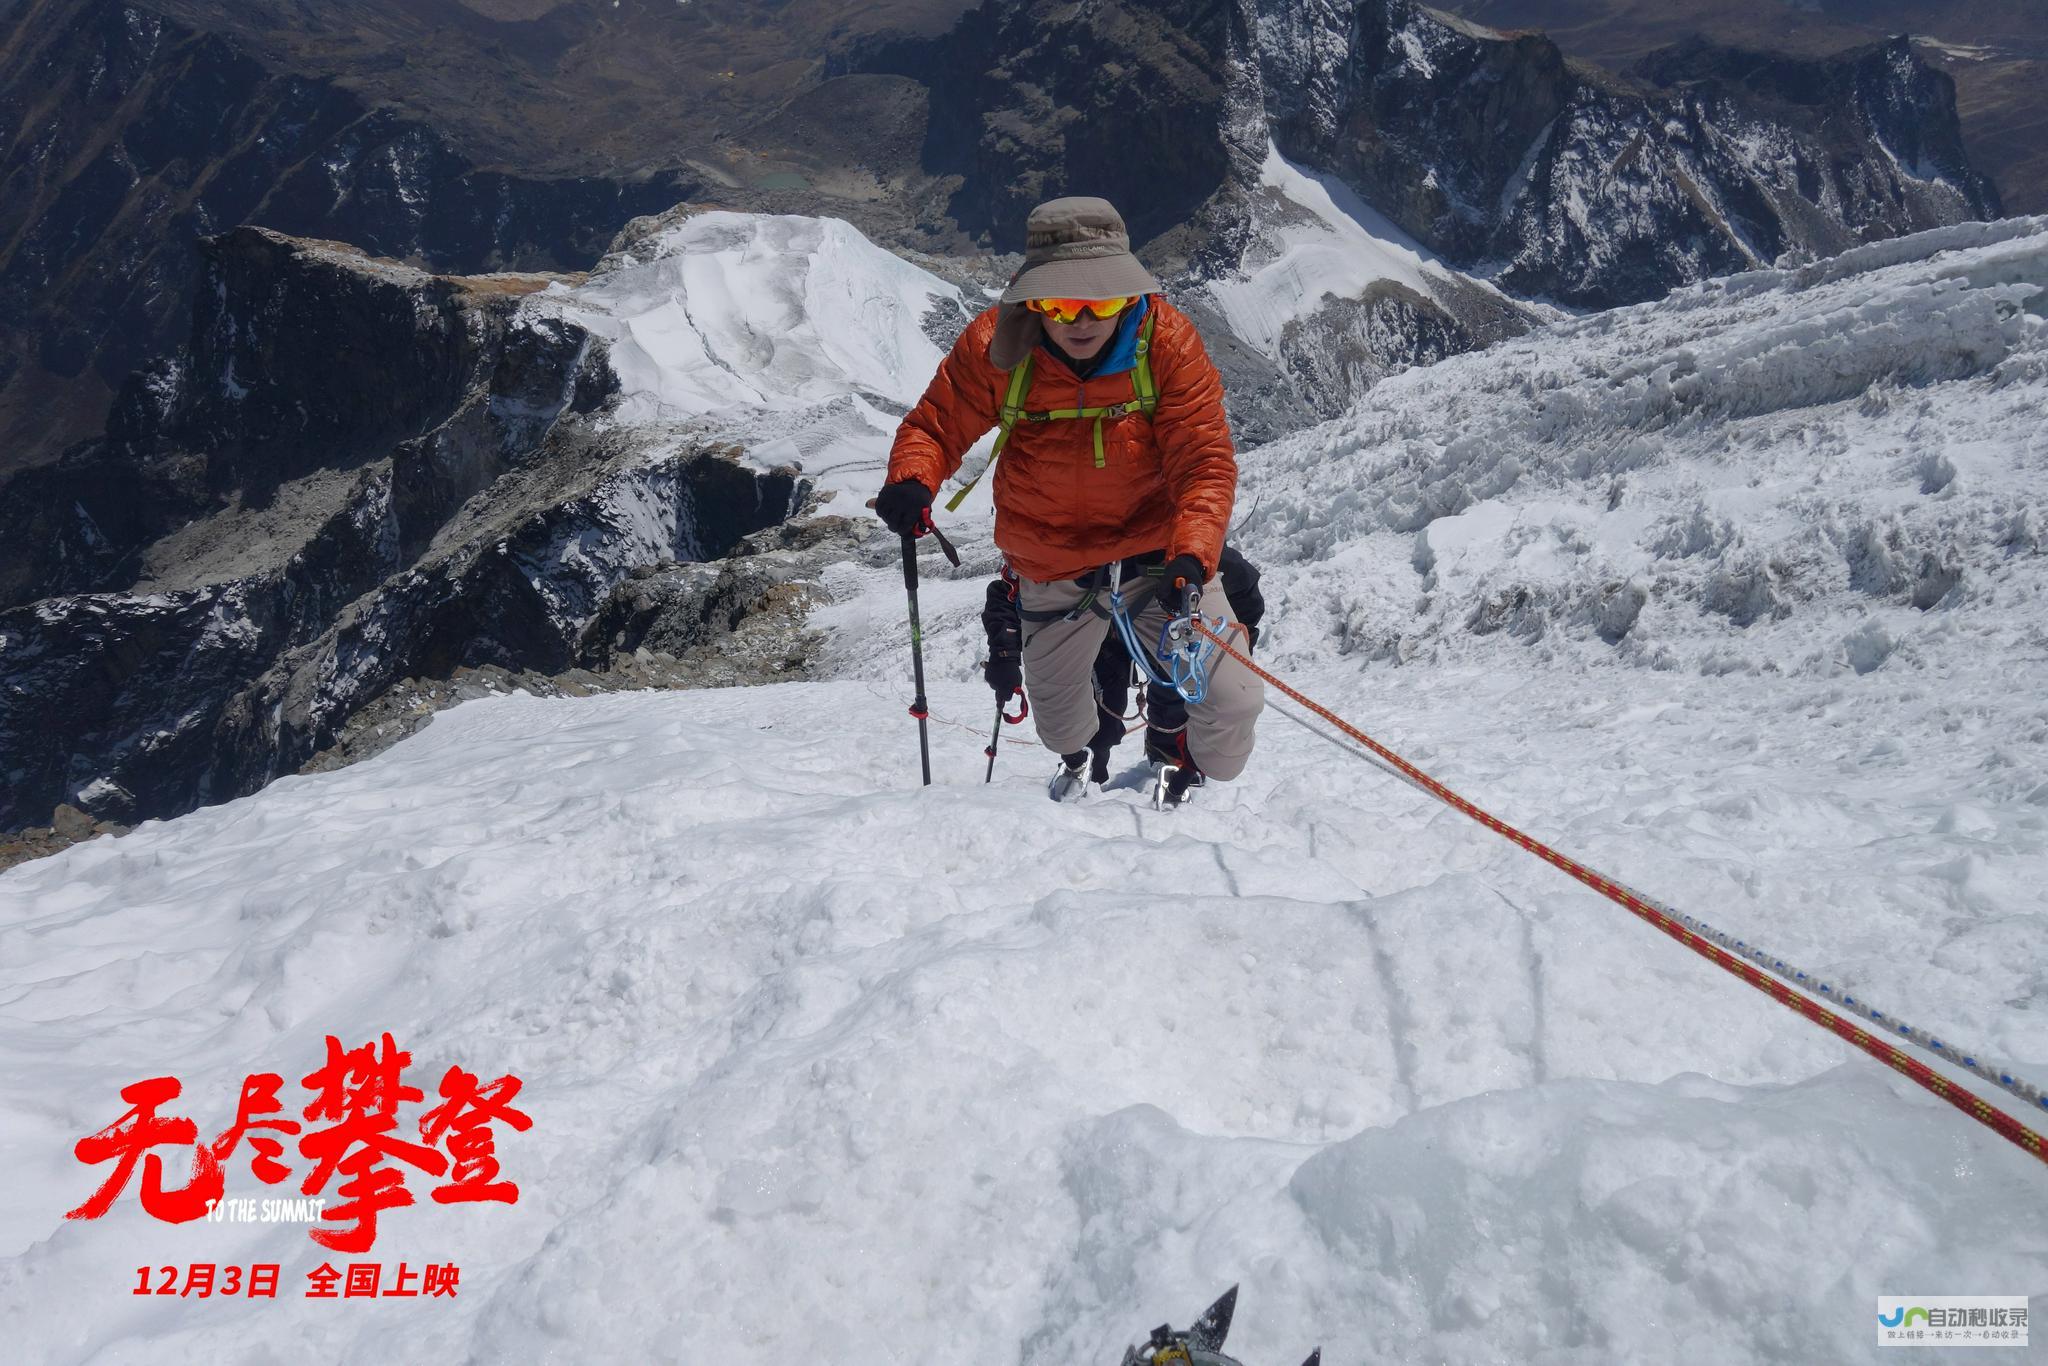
1779,471
796,336
1737,596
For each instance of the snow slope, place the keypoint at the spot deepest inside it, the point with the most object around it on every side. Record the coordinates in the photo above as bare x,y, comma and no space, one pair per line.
826,1066
1334,298
1334,246
796,336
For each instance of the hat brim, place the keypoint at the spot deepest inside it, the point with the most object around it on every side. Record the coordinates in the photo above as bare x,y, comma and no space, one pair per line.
1017,331
1101,277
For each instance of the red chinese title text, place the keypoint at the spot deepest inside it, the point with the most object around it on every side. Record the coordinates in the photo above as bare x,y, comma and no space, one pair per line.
349,1129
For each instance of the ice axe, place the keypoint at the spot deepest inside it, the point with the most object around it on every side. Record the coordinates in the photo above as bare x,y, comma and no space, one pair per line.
1200,1345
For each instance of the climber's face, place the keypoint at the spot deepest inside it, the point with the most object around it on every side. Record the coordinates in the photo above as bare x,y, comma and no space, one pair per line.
1079,327
1083,337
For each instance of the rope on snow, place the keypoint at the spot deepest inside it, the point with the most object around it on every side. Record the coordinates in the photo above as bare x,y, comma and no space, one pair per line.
1717,947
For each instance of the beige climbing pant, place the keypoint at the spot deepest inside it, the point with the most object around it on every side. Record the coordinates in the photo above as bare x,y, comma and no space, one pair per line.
1059,676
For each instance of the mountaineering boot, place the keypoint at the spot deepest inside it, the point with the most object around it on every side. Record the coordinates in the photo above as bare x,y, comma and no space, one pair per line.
1174,785
1098,766
1070,779
1175,774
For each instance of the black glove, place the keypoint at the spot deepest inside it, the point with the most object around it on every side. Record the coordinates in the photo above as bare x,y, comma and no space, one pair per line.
901,505
1241,586
1182,569
1005,676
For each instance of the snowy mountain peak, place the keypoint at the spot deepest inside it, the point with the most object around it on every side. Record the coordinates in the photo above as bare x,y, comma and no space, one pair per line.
1338,297
1569,183
727,311
794,337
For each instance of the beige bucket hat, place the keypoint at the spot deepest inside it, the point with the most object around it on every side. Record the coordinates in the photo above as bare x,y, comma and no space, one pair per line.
1074,248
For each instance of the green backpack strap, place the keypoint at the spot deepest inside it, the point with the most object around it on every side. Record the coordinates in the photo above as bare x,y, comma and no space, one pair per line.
1144,394
1012,409
1013,406
1141,378
1145,398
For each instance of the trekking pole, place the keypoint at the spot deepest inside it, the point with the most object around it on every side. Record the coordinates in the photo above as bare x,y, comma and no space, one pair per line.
917,703
1023,710
918,707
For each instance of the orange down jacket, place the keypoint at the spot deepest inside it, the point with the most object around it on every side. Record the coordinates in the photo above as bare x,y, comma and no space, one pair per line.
1166,484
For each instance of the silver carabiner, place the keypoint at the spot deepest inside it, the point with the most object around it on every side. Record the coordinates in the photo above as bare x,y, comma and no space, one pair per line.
1179,635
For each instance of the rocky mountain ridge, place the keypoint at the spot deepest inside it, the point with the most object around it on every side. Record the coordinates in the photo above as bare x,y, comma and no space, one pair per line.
128,129
1995,49
396,474
126,136
352,471
1557,180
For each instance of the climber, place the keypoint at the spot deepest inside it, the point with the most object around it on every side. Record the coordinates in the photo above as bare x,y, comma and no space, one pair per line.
1114,465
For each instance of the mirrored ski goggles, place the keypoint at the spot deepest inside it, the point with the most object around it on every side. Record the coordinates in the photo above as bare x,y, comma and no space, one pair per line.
1070,310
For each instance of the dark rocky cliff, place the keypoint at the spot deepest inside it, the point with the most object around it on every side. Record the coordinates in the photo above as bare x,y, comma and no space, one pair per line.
1566,182
1128,99
359,473
125,137
456,141
1997,51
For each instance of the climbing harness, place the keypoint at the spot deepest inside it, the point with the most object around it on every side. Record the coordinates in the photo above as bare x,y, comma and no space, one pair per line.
1718,948
1144,398
1093,585
1183,655
1179,660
